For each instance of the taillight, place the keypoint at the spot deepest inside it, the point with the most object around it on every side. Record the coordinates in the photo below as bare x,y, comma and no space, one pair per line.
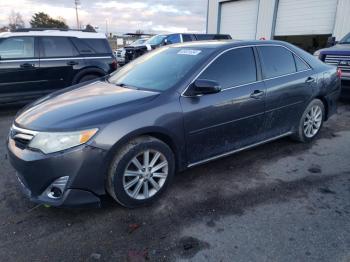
114,64
339,73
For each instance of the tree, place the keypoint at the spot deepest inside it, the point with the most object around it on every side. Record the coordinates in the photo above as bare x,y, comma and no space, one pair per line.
15,21
4,29
42,20
89,28
139,32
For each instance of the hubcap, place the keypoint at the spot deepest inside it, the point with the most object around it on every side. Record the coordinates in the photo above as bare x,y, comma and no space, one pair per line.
313,121
145,174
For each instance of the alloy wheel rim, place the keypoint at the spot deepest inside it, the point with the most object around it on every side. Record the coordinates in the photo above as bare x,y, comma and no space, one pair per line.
313,121
145,174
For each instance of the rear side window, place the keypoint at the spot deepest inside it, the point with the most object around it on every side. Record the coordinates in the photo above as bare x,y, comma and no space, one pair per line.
300,64
17,47
277,61
235,67
55,46
99,46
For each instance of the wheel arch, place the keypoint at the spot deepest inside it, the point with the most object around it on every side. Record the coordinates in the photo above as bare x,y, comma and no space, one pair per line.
88,71
325,104
160,134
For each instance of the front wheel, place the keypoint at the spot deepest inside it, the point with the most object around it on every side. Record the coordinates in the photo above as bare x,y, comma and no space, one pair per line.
140,172
311,121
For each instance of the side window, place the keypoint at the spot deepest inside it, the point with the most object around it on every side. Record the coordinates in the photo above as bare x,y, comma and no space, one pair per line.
82,47
55,46
235,67
300,64
173,39
187,38
99,46
204,37
17,47
277,61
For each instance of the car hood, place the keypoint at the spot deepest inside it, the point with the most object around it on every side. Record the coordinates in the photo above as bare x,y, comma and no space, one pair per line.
87,106
337,49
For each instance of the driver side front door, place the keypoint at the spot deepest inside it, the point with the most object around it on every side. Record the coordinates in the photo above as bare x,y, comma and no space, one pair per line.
217,124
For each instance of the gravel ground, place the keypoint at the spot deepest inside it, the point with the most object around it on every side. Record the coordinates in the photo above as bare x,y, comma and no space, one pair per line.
282,201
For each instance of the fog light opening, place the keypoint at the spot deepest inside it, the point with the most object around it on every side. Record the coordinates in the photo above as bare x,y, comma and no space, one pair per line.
56,189
54,192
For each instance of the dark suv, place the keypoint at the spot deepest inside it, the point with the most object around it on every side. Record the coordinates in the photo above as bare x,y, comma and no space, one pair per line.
338,55
156,41
34,63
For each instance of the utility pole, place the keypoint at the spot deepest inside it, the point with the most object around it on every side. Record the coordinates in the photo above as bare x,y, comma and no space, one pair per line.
77,3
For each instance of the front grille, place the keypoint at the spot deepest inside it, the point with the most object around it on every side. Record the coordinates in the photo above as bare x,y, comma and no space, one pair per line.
21,136
341,61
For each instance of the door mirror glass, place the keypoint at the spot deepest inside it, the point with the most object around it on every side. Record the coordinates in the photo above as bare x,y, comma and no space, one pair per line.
204,87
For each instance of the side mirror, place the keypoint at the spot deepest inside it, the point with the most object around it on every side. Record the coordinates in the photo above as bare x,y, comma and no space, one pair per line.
204,87
331,41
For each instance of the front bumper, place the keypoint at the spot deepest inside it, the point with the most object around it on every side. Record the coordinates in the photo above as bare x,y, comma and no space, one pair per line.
84,165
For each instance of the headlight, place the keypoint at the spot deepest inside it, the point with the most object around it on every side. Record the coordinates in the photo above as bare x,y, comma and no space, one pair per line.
317,53
49,142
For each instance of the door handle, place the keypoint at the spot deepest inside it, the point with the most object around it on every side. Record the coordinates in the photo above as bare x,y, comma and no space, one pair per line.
27,65
310,80
257,94
72,63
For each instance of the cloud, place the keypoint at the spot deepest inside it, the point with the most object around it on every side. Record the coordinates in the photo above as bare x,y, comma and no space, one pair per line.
121,16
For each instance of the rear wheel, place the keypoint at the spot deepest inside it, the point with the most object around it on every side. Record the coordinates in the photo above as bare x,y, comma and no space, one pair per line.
140,172
311,121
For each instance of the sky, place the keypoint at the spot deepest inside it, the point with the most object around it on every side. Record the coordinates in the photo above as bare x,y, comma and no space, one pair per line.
122,16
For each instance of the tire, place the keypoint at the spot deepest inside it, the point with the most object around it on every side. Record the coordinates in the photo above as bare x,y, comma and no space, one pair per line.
310,122
126,180
86,78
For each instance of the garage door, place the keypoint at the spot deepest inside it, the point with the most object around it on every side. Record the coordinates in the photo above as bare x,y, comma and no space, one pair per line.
301,17
238,18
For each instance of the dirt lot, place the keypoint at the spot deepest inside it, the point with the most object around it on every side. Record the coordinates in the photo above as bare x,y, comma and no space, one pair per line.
283,201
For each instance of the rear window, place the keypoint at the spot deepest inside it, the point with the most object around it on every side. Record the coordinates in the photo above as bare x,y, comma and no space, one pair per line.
277,61
99,46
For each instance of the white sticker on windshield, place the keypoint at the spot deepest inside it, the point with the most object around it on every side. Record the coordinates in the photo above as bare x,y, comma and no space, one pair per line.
189,52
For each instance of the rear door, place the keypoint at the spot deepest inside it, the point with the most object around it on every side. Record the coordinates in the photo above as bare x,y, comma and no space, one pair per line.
289,86
19,63
233,118
59,59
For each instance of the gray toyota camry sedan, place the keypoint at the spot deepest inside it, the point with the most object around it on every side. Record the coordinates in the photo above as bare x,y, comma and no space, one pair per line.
126,135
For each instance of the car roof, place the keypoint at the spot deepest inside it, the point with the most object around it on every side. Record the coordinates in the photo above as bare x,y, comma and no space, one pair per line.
229,43
78,34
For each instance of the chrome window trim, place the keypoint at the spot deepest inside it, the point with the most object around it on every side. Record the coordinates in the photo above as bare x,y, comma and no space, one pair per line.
54,59
258,81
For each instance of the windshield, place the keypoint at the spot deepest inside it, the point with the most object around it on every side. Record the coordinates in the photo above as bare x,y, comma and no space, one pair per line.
160,69
155,40
139,42
345,39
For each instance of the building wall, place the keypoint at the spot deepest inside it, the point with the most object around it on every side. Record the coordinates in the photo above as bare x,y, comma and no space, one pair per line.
267,18
342,21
